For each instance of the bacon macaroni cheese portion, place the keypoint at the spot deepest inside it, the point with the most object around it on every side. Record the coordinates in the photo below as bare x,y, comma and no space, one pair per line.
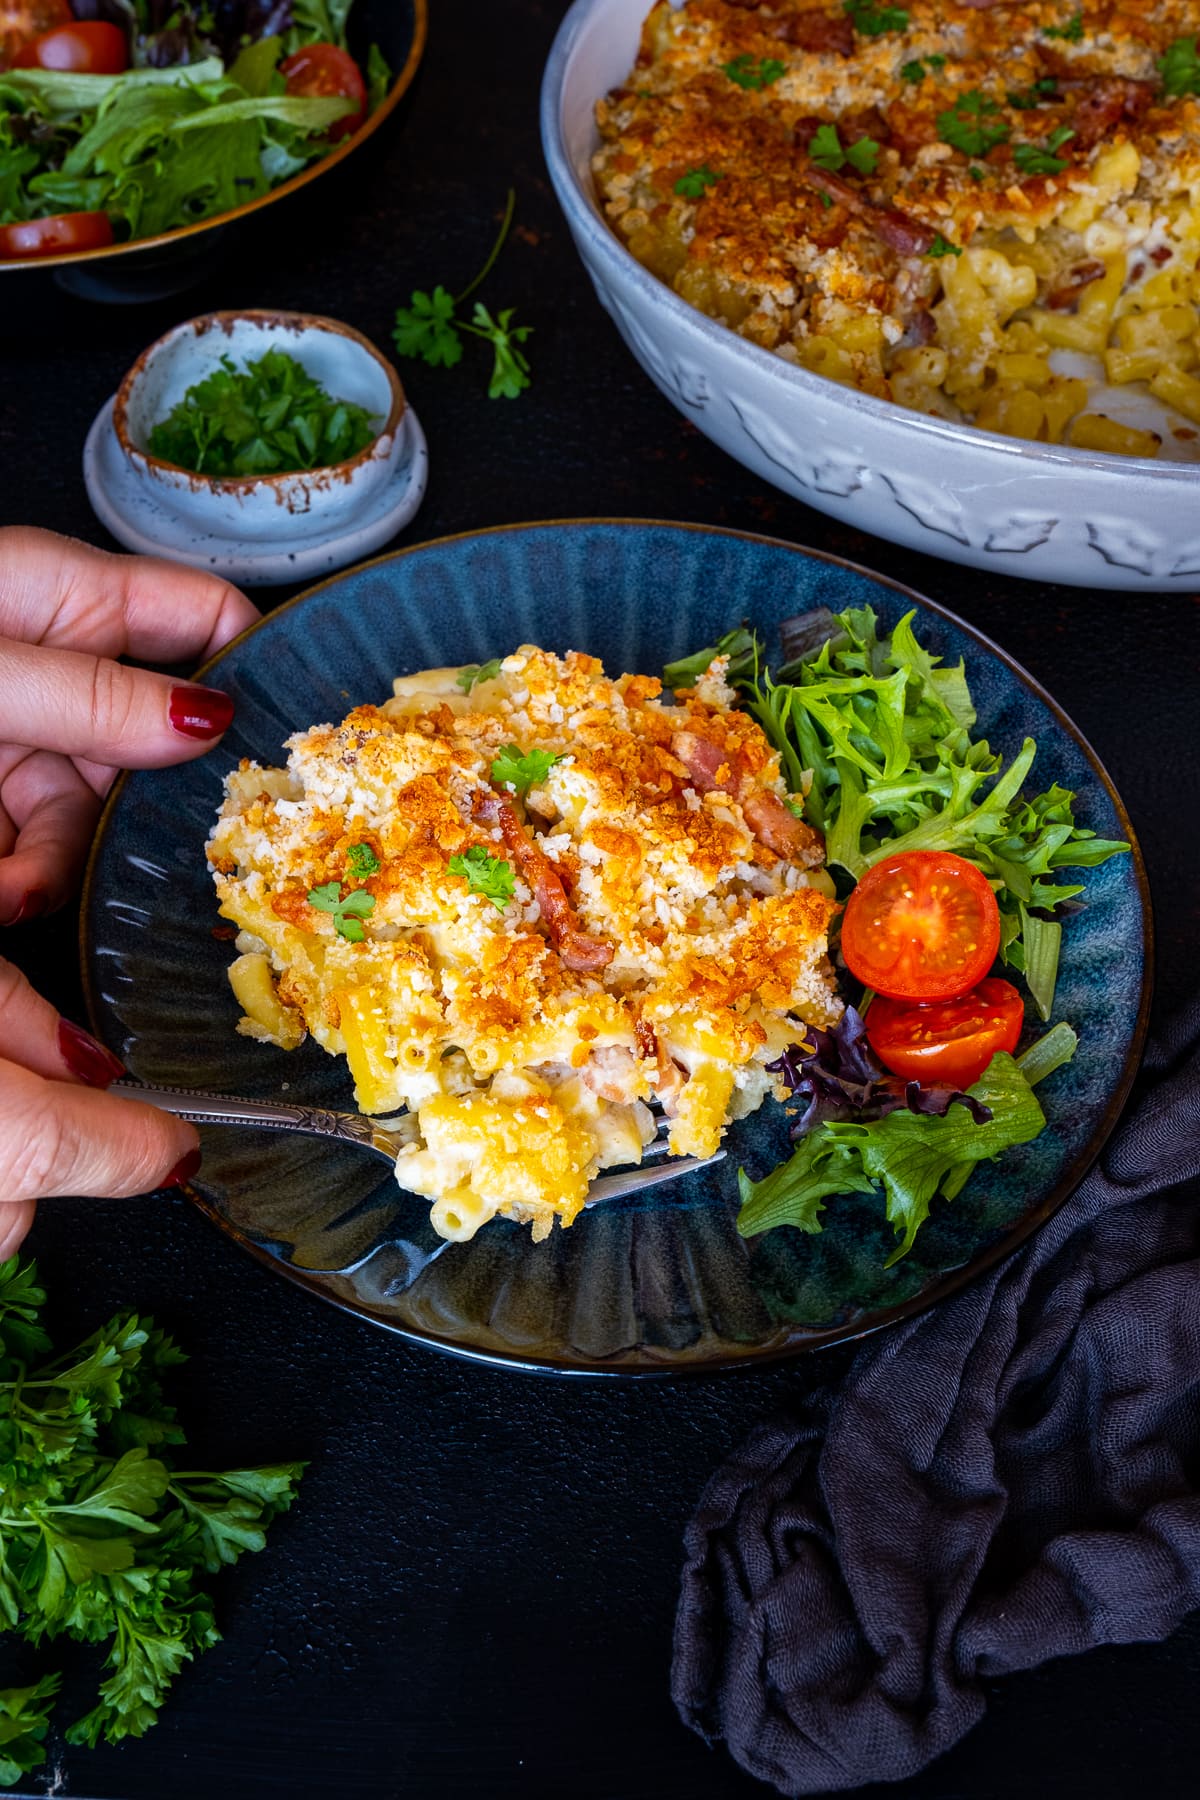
524,902
982,209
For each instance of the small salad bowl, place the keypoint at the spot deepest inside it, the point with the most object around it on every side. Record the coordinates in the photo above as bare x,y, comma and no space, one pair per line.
265,528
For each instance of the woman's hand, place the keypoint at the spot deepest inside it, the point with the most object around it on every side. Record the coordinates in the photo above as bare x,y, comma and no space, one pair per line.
70,716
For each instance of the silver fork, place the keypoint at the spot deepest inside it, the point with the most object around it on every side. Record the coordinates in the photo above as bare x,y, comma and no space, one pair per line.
386,1137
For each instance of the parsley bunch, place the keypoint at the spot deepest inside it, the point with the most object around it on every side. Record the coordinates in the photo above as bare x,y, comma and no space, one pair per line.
430,327
102,1539
268,418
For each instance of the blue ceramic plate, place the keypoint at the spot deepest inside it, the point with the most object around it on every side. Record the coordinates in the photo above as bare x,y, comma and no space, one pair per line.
662,1282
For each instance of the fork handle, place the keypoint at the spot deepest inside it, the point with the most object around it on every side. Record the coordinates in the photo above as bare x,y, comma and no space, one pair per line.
274,1115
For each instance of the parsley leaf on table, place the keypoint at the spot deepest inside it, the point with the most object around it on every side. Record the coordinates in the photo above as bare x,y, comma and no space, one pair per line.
430,326
485,874
100,1540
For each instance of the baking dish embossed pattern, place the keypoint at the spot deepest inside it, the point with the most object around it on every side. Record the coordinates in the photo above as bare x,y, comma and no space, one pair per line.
652,1285
1047,512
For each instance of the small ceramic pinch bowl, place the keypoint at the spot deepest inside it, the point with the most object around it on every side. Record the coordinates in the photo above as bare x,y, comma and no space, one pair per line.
256,528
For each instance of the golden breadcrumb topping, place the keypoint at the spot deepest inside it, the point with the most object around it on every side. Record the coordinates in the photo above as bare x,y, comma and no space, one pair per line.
525,902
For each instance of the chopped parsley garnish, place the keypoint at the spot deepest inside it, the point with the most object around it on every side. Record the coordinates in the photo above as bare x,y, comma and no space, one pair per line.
751,72
1072,31
363,861
267,418
976,173
484,874
871,20
693,184
1024,99
429,327
965,125
1033,159
920,67
348,913
1180,69
487,671
512,770
943,247
826,151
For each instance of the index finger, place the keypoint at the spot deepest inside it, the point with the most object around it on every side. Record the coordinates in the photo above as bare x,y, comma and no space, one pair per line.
60,592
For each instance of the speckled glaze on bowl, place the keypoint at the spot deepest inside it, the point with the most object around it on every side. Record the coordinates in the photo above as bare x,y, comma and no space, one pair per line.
661,1282
257,507
1042,511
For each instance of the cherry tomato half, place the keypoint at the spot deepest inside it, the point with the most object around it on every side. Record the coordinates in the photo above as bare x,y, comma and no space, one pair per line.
23,20
950,1042
321,70
86,47
921,925
56,236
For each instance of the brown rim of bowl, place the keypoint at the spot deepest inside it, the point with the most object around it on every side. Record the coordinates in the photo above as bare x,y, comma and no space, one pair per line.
789,1343
107,252
258,315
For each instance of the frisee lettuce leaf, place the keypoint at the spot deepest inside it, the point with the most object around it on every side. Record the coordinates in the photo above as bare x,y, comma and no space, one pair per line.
884,727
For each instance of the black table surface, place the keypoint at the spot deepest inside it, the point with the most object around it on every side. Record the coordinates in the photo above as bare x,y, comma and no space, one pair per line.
474,1593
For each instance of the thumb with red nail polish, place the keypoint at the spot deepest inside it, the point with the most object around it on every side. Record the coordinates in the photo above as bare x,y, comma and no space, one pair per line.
60,1131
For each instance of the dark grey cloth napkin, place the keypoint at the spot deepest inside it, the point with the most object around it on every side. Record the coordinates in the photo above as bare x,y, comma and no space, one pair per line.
1010,1477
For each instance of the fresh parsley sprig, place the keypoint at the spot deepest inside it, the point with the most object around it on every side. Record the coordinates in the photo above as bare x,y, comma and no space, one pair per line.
363,861
942,246
694,183
826,151
871,20
348,910
969,126
467,678
430,326
1071,32
485,874
920,66
520,772
754,73
1038,159
1180,69
101,1539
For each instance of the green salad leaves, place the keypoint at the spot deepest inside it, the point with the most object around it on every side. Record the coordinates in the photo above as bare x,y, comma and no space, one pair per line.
267,418
102,1538
878,733
155,148
911,1156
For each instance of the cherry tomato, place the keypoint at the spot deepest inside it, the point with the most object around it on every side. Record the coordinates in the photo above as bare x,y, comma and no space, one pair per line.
952,1041
56,236
23,20
87,47
921,925
321,70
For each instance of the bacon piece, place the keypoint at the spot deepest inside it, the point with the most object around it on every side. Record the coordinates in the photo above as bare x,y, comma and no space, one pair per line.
920,329
715,769
646,1038
1105,101
1064,296
820,33
906,236
577,950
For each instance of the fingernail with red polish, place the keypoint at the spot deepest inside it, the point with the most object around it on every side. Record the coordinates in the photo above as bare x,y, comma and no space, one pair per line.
183,1171
33,905
199,712
85,1057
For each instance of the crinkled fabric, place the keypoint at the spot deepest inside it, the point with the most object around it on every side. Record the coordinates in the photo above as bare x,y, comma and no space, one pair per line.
1011,1477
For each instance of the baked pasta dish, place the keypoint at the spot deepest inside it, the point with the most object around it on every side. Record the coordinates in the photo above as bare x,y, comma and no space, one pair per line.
525,901
983,210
